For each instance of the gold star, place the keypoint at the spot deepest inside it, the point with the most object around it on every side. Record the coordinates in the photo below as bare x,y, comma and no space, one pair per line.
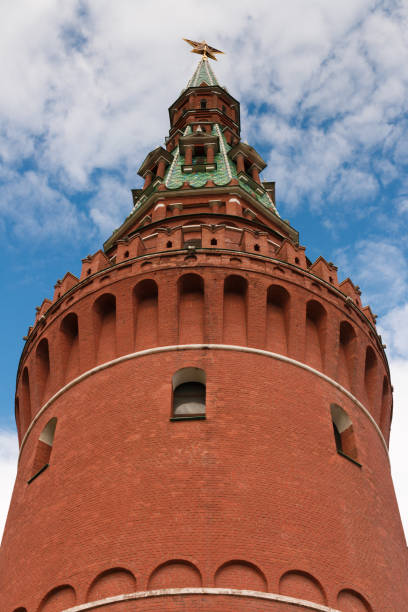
202,48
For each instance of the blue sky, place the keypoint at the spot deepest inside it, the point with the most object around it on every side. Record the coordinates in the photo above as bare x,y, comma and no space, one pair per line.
323,88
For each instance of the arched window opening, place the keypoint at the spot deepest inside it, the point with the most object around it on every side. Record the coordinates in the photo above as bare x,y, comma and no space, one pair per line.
189,394
69,346
43,368
213,241
43,451
146,314
315,334
257,247
105,327
203,104
343,433
169,244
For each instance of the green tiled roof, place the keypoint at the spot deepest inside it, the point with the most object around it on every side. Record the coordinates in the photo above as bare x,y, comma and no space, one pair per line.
203,74
225,171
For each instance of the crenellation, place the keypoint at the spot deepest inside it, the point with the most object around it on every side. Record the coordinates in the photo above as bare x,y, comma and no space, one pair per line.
321,318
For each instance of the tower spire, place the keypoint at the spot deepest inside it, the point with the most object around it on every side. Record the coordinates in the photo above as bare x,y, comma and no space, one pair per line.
203,74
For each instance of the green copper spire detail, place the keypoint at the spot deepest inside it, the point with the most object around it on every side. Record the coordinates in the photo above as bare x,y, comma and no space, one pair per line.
203,74
225,171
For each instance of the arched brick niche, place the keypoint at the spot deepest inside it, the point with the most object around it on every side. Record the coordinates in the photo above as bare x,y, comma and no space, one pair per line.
146,314
18,418
69,347
104,316
386,400
316,324
114,581
347,348
42,361
370,377
26,410
296,583
175,573
239,574
277,319
191,309
235,310
58,599
349,600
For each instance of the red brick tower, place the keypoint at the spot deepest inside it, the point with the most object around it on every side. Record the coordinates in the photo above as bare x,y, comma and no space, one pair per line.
204,414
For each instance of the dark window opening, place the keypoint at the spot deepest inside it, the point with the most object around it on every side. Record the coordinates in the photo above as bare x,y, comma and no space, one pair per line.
169,244
189,394
89,271
213,241
297,260
126,254
203,104
257,247
43,450
344,434
189,399
223,108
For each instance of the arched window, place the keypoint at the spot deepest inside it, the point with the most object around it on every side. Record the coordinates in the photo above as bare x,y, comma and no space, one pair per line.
189,394
203,104
343,433
43,450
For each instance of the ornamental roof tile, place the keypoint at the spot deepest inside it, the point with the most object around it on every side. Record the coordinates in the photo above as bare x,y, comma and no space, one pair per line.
222,175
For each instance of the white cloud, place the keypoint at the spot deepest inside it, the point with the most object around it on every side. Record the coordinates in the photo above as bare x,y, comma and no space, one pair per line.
8,463
33,209
380,268
111,204
79,80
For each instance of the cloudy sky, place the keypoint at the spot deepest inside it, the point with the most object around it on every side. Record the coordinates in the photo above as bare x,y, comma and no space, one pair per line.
85,87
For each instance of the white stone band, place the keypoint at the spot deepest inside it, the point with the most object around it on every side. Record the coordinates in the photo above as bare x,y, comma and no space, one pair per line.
294,601
191,347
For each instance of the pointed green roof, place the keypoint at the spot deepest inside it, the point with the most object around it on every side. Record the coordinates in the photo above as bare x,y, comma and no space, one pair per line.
203,74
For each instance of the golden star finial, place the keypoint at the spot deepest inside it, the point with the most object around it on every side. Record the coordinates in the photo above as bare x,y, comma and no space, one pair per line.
202,48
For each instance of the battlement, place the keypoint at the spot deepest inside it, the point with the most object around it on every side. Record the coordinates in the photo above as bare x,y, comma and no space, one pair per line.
196,282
